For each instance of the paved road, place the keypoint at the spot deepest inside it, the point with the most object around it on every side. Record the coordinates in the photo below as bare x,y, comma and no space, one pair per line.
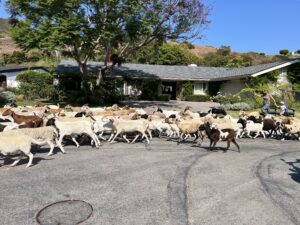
163,183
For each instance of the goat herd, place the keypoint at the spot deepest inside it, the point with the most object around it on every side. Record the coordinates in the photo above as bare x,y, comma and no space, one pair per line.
23,126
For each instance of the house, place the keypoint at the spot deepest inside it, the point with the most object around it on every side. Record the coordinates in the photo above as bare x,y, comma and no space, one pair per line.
8,74
172,78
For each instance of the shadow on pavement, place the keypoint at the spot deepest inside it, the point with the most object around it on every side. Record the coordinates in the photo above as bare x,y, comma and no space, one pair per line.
295,175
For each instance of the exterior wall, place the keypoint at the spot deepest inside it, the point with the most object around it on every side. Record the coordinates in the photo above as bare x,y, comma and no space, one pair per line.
232,86
283,76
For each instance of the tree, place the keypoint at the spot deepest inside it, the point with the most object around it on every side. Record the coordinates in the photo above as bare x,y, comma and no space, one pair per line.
298,51
84,28
284,52
224,50
166,54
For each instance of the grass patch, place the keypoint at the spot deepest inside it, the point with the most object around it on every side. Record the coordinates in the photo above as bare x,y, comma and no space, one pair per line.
235,114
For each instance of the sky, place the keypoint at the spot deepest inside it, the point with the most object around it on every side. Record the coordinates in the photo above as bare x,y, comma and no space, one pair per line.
265,26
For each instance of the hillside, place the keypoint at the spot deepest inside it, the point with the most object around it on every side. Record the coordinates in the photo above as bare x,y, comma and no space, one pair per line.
7,46
4,26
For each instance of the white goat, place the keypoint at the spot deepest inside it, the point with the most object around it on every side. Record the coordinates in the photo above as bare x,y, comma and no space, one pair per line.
11,143
252,127
76,127
131,126
48,135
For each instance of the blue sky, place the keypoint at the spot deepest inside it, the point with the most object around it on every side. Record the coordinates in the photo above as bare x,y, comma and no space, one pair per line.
254,25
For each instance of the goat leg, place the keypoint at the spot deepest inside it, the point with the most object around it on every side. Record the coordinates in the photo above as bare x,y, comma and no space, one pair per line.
236,144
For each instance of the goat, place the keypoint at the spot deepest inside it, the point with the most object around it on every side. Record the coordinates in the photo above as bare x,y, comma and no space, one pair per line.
73,127
31,121
217,110
11,143
214,135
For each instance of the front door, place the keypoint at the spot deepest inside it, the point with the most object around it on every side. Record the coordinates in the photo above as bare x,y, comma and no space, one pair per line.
170,89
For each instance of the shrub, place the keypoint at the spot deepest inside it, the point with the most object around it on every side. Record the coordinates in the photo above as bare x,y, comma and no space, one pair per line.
164,97
226,99
187,89
7,97
34,84
197,98
238,106
149,89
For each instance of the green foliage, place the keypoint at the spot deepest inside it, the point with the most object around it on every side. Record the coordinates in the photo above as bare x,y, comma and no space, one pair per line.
84,28
238,106
164,97
214,88
294,73
197,98
149,89
298,51
18,57
247,95
34,84
188,89
7,97
224,50
284,52
167,54
265,81
225,99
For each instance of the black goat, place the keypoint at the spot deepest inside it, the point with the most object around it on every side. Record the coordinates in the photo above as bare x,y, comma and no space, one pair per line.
159,110
271,126
219,110
80,114
214,135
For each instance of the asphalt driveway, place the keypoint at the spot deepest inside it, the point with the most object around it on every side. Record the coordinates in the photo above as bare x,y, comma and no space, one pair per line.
163,183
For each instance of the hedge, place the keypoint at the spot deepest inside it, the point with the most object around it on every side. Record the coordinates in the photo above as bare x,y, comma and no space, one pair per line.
197,98
7,97
164,97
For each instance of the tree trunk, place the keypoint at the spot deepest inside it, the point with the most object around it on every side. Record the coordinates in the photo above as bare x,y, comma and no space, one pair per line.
83,72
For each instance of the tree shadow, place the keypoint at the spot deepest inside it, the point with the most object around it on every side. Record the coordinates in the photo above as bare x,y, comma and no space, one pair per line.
295,175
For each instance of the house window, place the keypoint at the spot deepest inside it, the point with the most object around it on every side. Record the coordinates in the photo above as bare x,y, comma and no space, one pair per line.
200,88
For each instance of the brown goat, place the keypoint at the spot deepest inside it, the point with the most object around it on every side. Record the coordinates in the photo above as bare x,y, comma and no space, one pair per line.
30,121
214,135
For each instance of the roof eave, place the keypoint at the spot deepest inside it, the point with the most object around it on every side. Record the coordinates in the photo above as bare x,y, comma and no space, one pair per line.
275,68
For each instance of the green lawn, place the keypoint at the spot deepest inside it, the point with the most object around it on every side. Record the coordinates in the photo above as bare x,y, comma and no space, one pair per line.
235,114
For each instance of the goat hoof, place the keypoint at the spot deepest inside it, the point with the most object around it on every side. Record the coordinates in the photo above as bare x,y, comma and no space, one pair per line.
49,154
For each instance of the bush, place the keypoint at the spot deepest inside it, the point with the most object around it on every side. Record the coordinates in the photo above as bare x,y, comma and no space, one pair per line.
149,90
34,84
226,99
197,98
164,97
187,89
238,106
7,97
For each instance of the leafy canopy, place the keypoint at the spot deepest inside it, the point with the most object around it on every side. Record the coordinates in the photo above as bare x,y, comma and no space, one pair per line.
84,28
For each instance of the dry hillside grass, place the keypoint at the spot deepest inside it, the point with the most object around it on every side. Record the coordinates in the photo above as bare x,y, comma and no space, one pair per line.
7,46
